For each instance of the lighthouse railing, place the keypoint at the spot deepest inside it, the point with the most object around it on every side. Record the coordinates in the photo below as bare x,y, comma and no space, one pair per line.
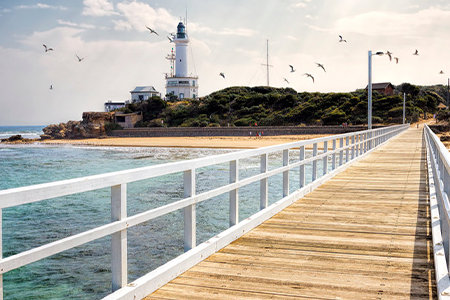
341,150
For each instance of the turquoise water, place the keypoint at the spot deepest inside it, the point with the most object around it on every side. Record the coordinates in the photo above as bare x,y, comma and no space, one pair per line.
29,132
84,272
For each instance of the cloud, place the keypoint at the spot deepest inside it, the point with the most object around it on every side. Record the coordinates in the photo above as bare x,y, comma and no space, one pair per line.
238,32
98,8
68,23
138,15
41,6
379,23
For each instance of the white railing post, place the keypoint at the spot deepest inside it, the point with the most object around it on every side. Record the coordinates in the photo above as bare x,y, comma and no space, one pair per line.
347,151
1,253
314,164
341,152
189,211
285,173
353,147
361,146
264,183
119,265
325,158
333,156
234,194
302,167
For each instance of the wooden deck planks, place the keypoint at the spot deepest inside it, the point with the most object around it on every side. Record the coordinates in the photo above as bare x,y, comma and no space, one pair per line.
363,235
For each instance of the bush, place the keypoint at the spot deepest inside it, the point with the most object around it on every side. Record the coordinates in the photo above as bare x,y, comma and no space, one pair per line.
112,126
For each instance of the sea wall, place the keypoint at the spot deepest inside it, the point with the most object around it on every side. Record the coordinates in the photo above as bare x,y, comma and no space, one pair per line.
232,131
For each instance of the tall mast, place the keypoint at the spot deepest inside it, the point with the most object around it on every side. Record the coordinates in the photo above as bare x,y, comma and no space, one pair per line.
267,63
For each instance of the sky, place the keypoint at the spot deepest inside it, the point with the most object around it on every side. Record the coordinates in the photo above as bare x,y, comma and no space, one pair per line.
229,36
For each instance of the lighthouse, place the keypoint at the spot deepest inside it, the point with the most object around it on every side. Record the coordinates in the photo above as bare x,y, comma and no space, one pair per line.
179,82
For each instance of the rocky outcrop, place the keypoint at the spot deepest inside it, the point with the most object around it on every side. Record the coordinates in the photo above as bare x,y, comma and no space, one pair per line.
17,139
92,126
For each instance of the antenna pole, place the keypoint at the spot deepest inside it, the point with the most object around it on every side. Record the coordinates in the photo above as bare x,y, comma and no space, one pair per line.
268,63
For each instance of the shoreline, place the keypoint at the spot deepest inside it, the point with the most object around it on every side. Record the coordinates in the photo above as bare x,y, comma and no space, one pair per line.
214,142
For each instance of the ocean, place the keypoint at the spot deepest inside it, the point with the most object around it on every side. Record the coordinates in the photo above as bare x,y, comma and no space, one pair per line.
84,272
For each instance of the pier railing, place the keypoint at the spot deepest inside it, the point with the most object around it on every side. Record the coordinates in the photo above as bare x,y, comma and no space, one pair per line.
337,153
438,161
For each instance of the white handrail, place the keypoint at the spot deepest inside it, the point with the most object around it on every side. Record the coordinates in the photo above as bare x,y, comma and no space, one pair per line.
356,146
438,162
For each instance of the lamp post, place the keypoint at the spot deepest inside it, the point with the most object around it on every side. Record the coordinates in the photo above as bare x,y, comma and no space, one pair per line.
369,90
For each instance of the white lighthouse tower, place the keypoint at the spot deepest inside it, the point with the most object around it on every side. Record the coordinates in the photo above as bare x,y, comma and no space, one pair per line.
180,82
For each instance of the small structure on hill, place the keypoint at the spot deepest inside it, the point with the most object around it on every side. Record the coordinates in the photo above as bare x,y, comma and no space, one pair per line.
141,93
110,106
442,106
385,88
127,120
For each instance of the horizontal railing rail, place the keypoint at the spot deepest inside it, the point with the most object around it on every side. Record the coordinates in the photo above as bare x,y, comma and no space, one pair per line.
438,162
342,150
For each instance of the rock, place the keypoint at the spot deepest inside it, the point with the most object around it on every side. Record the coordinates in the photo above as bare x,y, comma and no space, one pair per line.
17,139
92,126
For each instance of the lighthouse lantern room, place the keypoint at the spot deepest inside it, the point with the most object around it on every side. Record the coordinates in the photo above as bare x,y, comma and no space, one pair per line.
180,82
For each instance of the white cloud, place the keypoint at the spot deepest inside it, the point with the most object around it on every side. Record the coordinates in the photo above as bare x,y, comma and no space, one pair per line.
138,15
68,23
238,32
41,6
379,23
98,8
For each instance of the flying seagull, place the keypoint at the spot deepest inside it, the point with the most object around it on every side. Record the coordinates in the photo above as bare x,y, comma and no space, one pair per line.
151,30
321,66
389,54
51,86
47,49
222,74
80,59
286,80
292,68
341,39
309,75
396,60
416,53
441,72
170,40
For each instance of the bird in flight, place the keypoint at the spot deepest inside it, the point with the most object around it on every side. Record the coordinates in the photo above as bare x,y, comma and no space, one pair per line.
389,54
170,40
286,80
416,53
80,59
396,60
309,75
341,39
441,72
151,30
51,86
222,74
47,49
292,68
321,66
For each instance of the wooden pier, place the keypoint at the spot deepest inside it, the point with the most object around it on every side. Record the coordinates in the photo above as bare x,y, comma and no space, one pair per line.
365,234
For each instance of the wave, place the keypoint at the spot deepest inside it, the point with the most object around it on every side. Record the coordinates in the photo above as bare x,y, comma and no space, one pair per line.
29,132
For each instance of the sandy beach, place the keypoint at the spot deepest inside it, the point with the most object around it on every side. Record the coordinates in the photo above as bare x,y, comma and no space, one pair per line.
190,142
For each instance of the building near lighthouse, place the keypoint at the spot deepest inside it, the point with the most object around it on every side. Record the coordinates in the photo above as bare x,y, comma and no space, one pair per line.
179,82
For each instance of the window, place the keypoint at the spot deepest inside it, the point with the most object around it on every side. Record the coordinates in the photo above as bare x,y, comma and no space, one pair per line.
141,97
120,119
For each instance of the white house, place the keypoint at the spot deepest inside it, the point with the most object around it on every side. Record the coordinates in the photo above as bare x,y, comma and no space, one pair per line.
110,106
141,93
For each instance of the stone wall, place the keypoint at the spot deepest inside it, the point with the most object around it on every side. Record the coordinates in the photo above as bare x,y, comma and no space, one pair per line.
232,131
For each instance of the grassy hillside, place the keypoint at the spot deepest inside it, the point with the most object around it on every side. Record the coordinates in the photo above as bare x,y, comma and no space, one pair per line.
244,106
